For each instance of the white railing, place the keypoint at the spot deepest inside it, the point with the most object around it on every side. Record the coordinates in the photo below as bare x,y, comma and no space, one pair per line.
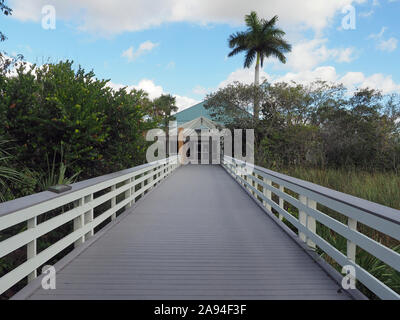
383,219
121,184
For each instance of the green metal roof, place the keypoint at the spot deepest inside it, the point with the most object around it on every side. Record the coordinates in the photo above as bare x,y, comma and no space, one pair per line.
192,113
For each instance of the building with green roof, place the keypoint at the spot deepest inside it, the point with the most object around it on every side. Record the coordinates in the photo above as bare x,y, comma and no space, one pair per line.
192,113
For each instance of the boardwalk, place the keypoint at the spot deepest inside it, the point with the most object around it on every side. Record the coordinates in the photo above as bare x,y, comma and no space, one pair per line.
198,235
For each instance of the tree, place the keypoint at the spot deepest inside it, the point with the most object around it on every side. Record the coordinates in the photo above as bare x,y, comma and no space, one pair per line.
318,124
261,40
59,106
164,106
6,11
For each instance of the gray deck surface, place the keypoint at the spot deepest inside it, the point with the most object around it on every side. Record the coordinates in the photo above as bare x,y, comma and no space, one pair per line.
198,235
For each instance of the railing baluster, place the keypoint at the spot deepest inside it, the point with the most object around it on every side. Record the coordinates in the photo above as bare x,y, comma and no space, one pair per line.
113,202
303,218
150,180
351,246
79,223
142,184
281,201
311,224
89,216
133,188
128,194
267,193
32,248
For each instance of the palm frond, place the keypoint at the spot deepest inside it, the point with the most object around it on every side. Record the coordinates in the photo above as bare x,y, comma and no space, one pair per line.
269,24
262,37
237,39
236,51
250,56
252,21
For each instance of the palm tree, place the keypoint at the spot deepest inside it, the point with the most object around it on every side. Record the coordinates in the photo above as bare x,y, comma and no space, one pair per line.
261,40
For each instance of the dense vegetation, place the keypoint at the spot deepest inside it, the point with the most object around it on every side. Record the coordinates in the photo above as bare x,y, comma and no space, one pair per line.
63,120
320,125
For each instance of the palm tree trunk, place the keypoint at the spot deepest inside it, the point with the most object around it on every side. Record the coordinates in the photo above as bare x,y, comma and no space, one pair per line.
257,73
257,83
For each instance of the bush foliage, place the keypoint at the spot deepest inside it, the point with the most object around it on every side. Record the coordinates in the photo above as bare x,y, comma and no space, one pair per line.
64,112
318,125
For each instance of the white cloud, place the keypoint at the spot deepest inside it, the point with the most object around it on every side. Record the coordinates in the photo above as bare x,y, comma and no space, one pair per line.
379,35
243,75
110,17
200,90
155,91
327,73
351,80
344,55
184,102
366,14
171,65
144,48
308,54
128,53
380,82
388,45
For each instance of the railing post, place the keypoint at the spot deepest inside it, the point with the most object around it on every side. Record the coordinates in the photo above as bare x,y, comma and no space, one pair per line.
248,181
234,167
142,183
281,201
89,216
79,223
32,248
150,180
311,224
236,172
303,218
133,188
351,246
254,185
113,202
128,194
267,193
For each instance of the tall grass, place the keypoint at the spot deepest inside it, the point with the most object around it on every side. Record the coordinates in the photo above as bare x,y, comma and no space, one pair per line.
379,187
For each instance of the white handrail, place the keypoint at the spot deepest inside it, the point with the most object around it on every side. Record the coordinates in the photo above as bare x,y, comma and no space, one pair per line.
378,217
28,209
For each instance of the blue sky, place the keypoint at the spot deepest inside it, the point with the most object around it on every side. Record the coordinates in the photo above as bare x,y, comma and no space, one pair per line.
180,46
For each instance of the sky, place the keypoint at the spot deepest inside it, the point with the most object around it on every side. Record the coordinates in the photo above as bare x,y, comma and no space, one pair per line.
180,46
